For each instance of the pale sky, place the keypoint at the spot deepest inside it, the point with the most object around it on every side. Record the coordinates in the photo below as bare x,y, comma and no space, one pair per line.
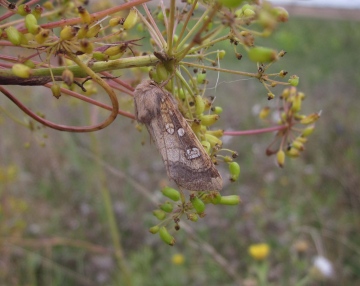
350,4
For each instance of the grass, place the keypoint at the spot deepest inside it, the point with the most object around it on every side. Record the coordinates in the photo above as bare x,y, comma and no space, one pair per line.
56,227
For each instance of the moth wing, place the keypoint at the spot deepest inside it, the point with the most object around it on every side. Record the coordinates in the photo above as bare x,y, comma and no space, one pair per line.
186,161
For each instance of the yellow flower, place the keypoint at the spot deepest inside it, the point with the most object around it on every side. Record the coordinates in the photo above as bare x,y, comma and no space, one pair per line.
178,259
259,251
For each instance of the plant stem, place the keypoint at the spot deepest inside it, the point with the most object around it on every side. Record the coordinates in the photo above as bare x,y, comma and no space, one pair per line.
131,62
193,29
170,28
255,75
114,231
255,131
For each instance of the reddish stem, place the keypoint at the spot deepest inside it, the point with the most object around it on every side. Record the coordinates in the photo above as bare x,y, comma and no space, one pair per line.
92,101
47,122
10,13
255,131
94,16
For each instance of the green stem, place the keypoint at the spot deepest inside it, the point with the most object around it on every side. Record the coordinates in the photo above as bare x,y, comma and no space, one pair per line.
208,44
170,28
12,117
114,231
193,29
131,62
255,75
188,17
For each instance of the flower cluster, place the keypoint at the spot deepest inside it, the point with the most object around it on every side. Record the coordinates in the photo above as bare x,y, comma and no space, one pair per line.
181,45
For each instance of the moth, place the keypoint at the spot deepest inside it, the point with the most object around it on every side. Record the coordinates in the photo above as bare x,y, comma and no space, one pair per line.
185,159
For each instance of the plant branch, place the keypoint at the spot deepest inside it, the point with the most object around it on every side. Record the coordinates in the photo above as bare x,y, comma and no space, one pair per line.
255,131
6,75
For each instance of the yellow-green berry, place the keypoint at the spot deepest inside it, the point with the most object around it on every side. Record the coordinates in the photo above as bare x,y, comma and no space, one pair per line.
171,193
230,200
159,214
130,20
167,207
234,169
198,204
166,236
262,54
21,70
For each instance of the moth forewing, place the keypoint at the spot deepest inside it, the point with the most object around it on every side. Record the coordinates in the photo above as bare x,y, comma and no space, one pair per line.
186,161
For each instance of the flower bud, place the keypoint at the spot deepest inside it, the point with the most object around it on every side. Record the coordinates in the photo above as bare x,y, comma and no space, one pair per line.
206,146
198,204
31,24
30,64
161,72
48,5
281,14
86,47
270,96
171,193
130,20
262,54
82,32
37,11
112,50
68,77
230,3
217,109
264,112
296,104
160,16
14,36
292,153
208,120
298,144
67,33
234,169
301,139
249,13
308,130
99,56
166,236
228,159
230,200
154,229
193,217
41,37
221,54
84,15
207,102
56,90
310,118
294,80
116,21
286,92
280,158
214,141
21,70
201,78
93,31
23,9
199,105
217,133
159,214
167,207
283,73
215,197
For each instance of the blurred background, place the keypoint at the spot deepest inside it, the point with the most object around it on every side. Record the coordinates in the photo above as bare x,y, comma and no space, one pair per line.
56,188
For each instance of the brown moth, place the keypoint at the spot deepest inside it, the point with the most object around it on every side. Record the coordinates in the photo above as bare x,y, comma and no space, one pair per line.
186,161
